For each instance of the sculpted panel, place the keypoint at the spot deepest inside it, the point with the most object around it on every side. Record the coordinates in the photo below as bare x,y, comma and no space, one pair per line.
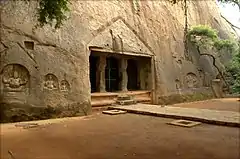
64,86
15,81
201,77
15,78
178,84
207,79
50,82
191,80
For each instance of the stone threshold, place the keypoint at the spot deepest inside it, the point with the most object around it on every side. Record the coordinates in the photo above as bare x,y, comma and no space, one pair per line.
223,118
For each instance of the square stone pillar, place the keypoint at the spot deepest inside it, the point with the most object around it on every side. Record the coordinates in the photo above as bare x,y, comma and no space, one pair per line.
217,86
123,69
154,99
101,73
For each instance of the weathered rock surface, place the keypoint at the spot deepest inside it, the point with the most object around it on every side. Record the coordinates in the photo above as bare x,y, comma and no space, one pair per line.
43,66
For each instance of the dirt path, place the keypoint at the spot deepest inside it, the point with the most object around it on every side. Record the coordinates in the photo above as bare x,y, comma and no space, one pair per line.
115,137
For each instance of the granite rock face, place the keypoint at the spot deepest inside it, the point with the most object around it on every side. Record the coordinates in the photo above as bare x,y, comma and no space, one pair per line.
45,67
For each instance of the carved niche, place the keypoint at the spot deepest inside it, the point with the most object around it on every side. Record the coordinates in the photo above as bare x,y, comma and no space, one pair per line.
207,79
15,78
191,80
15,83
201,77
178,84
178,59
50,82
64,86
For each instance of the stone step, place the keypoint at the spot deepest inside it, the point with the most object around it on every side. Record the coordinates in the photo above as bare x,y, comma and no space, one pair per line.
109,99
143,100
101,103
124,97
126,102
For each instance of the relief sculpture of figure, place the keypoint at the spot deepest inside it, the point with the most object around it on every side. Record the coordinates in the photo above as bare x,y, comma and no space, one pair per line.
191,80
207,79
14,83
64,86
50,83
178,84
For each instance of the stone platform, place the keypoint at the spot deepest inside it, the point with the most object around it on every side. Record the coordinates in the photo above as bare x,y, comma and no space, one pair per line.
216,117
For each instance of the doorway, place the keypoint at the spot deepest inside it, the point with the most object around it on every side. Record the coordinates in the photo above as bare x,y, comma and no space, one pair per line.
93,69
132,71
112,74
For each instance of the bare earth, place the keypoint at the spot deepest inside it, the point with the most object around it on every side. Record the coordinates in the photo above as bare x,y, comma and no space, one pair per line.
126,136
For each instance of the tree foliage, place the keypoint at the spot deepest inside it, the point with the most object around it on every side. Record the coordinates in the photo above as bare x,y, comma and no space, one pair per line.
52,12
205,36
203,31
234,69
209,36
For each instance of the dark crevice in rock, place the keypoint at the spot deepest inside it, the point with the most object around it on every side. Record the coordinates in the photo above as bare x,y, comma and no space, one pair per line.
214,64
5,46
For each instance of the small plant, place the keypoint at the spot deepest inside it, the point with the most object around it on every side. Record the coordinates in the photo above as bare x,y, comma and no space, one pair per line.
52,11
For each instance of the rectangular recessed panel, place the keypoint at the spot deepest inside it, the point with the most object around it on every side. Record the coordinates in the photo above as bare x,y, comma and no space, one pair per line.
29,45
27,125
184,123
114,112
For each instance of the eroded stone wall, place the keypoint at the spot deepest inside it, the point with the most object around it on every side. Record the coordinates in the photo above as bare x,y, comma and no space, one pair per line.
53,64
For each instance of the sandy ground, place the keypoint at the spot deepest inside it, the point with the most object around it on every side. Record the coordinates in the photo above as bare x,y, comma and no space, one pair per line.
226,104
126,136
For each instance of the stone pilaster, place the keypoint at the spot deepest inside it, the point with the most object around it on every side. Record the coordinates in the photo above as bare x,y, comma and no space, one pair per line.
124,75
217,86
101,73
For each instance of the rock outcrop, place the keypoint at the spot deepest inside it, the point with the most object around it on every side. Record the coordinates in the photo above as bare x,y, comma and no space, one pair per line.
43,66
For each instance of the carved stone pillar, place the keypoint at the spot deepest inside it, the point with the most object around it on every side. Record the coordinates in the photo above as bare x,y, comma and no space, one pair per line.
101,73
124,75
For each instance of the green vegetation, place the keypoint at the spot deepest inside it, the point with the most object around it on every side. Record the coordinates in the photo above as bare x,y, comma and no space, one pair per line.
203,30
206,37
210,35
52,11
234,69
